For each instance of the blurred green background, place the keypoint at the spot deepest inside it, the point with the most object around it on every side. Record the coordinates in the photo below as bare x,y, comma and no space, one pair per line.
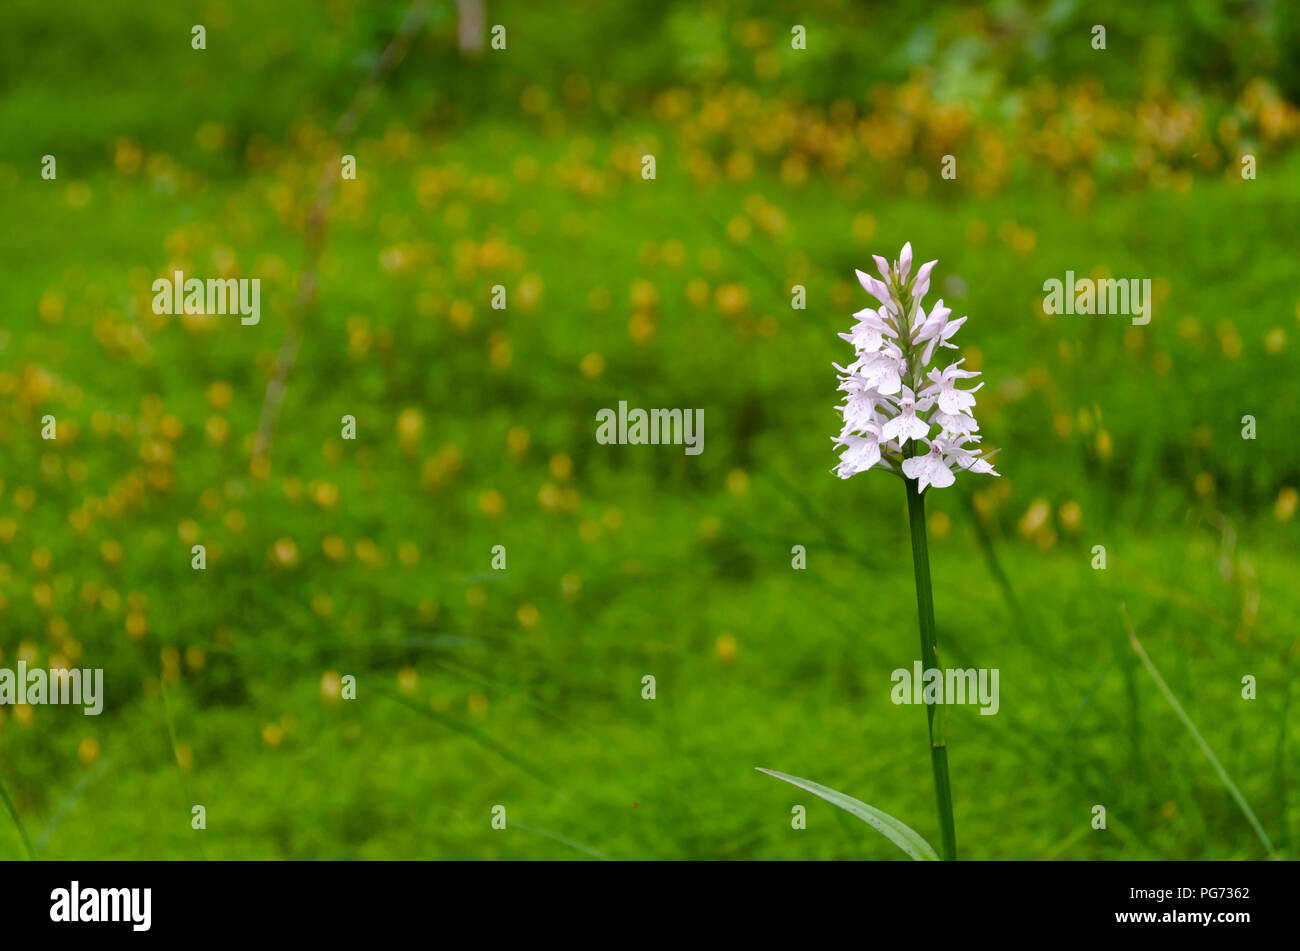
476,428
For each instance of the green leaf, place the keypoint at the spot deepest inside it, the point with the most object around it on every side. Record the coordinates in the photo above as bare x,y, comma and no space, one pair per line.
905,837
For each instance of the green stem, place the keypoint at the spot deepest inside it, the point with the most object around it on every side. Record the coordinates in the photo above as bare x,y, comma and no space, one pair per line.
930,660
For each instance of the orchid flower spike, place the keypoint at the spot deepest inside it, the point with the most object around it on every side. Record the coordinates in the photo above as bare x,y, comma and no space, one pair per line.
893,397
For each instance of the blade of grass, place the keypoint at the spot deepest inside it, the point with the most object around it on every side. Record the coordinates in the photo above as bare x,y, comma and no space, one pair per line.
1280,772
13,813
1140,781
67,803
1196,734
1087,695
993,562
902,835
185,779
474,734
483,681
515,823
1079,832
1023,630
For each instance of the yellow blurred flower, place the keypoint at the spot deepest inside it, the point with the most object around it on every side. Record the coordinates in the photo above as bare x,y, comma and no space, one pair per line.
640,327
217,429
1035,519
517,440
219,395
188,530
725,648
322,605
864,226
1071,516
331,686
409,425
324,494
136,625
285,552
697,291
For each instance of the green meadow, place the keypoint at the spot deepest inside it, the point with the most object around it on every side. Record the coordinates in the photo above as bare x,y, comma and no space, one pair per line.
373,558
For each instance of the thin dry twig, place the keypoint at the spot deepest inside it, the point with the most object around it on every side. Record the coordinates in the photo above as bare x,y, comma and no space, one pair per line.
309,282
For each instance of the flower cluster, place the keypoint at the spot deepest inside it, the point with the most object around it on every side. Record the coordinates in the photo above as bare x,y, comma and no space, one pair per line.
889,408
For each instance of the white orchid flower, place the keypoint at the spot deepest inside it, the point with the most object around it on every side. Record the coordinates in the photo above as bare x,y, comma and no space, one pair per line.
893,397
